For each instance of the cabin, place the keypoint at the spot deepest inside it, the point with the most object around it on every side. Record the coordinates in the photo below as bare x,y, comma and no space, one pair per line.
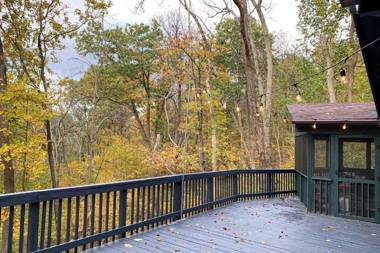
337,146
337,158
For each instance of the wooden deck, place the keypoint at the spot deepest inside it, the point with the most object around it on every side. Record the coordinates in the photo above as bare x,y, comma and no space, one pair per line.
255,226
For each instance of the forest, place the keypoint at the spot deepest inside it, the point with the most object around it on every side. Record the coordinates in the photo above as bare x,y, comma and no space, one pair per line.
178,94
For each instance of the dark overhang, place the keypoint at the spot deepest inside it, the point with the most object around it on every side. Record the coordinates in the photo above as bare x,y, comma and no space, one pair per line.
366,15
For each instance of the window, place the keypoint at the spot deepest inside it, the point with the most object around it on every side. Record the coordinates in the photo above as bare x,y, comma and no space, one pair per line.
357,158
321,157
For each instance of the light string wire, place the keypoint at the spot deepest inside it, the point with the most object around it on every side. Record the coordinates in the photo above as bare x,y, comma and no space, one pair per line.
343,60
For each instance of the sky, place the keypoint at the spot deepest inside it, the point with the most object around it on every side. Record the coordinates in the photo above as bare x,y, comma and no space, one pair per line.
281,16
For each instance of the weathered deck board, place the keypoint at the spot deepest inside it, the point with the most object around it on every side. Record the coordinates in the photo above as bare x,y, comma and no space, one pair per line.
255,226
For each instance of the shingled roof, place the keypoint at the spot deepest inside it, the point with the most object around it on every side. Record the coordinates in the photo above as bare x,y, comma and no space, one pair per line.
334,114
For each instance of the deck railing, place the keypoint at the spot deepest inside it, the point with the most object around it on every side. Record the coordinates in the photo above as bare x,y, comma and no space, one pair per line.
78,218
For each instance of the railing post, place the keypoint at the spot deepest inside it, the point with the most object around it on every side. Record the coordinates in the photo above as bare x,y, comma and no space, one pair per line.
210,192
235,186
33,221
269,185
123,210
178,198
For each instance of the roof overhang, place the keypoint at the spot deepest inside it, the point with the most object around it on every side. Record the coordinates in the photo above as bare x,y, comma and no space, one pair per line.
333,115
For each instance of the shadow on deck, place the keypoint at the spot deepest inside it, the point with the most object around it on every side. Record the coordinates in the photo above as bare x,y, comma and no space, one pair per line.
273,225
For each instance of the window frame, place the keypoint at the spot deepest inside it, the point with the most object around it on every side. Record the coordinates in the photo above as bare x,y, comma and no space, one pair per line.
369,141
328,156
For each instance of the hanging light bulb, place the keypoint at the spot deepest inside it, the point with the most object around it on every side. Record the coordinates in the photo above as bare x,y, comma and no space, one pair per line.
344,127
261,107
298,96
285,120
315,124
343,77
257,113
237,108
198,95
224,105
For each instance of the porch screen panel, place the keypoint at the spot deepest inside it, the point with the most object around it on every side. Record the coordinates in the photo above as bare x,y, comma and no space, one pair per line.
321,157
301,154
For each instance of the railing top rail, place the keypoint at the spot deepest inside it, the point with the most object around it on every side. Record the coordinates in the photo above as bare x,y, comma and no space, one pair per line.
19,198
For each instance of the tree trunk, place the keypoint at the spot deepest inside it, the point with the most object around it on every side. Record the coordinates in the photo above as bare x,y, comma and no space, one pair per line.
50,152
249,70
268,93
330,71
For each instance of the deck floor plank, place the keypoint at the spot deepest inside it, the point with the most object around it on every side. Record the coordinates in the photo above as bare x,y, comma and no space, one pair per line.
262,226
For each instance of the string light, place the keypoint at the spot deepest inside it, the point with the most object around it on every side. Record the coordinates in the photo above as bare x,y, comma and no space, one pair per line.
257,114
261,107
224,105
298,96
285,120
344,127
315,124
344,60
343,77
237,108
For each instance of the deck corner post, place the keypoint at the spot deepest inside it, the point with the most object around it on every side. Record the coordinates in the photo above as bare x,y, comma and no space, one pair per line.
33,220
235,186
210,193
178,186
123,210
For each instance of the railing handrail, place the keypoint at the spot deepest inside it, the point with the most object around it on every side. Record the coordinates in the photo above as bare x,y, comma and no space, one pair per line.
19,198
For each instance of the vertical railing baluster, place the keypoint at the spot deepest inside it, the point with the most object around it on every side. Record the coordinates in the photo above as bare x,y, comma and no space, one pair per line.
107,213
210,192
77,209
43,222
68,221
92,225
138,207
50,223
148,206
132,208
114,203
167,201
33,218
235,186
153,215
85,211
59,221
22,226
100,215
10,229
143,207
158,203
